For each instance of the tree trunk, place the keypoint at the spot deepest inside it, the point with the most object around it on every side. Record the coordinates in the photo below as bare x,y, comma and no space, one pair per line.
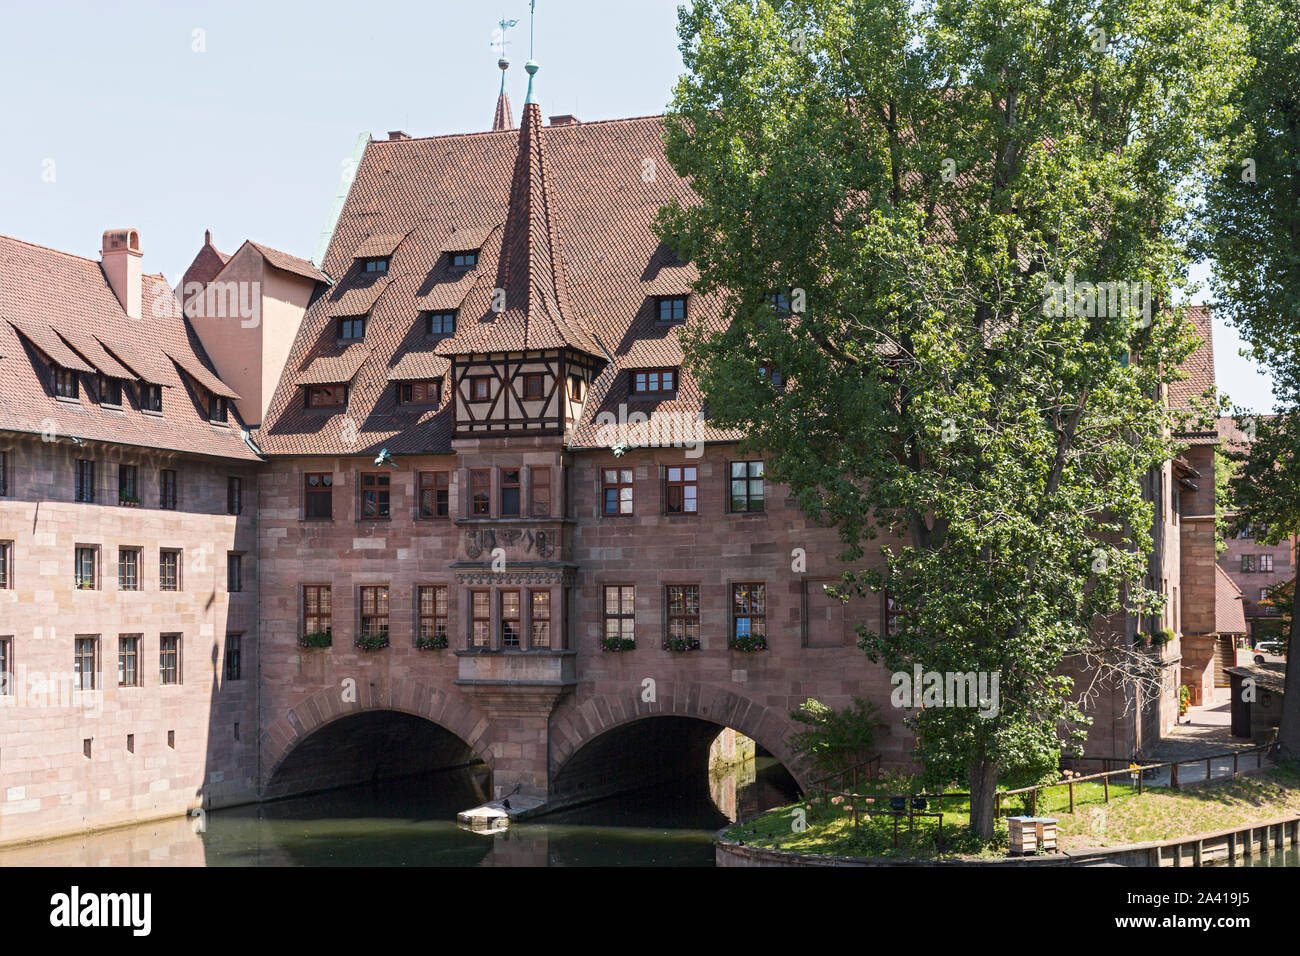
1288,734
983,776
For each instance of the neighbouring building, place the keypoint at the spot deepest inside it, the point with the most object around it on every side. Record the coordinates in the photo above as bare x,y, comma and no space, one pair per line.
485,518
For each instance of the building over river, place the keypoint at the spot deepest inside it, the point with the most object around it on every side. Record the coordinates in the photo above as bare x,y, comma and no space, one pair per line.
395,513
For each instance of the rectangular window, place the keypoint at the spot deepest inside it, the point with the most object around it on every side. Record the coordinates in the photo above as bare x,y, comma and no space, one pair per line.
654,381
509,618
6,666
352,327
319,495
128,569
128,488
167,489
539,619
432,612
110,391
1266,562
435,494
672,309
748,611
217,408
234,573
4,474
169,659
327,396
374,611
85,663
85,491
681,490
539,482
374,494
234,654
779,301
480,497
464,259
420,393
891,614
575,388
65,382
6,565
442,324
480,618
480,388
234,495
87,560
1263,594
772,375
316,609
509,492
534,386
617,490
150,397
684,614
620,612
169,570
128,660
746,486
376,266
1247,563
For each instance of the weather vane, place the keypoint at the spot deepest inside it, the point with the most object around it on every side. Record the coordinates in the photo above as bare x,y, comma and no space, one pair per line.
532,12
499,41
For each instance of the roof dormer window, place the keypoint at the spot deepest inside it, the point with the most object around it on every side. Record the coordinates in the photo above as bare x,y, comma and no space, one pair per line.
772,375
327,396
218,408
420,393
441,324
65,382
671,308
375,266
466,259
779,302
654,381
110,391
352,327
150,397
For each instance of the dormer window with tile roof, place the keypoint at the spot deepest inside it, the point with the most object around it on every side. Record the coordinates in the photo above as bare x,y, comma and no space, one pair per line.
653,381
218,408
66,382
326,396
420,393
110,391
151,397
440,325
377,265
466,259
352,327
670,308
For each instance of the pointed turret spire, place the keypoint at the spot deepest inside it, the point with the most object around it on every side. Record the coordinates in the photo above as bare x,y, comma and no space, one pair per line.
531,270
503,118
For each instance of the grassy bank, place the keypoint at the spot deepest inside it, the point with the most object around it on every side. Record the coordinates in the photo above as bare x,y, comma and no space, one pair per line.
1157,814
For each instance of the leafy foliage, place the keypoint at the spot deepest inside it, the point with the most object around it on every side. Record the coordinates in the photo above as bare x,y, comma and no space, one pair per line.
836,739
916,174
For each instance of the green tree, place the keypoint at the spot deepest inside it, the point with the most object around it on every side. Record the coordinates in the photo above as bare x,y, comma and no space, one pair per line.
1254,238
887,189
1224,467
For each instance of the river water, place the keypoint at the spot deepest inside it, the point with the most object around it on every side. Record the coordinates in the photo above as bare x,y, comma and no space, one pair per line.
412,822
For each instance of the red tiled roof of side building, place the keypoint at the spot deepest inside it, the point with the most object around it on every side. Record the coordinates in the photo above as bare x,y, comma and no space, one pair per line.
1199,369
53,289
1229,610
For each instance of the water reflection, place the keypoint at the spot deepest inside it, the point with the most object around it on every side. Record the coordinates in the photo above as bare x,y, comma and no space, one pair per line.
411,822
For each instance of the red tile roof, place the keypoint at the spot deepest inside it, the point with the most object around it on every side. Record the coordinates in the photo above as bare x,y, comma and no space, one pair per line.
288,263
502,119
1229,612
1199,368
42,288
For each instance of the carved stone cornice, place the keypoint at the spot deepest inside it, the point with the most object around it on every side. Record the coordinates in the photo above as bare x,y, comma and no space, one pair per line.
516,573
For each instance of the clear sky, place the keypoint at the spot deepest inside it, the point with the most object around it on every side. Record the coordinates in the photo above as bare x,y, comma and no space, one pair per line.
239,116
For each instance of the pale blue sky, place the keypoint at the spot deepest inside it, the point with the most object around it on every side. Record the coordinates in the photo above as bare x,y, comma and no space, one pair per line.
111,118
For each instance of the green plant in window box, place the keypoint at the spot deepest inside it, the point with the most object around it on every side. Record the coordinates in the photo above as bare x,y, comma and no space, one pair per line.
1161,637
430,642
128,501
316,639
372,642
748,642
617,644
681,644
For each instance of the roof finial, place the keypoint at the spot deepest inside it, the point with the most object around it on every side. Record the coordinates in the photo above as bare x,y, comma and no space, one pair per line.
499,43
531,66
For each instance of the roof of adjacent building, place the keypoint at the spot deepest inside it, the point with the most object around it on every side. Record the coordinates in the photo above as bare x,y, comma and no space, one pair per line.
58,306
1199,368
1229,610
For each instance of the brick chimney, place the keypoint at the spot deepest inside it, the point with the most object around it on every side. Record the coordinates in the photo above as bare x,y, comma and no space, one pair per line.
398,136
566,119
121,261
